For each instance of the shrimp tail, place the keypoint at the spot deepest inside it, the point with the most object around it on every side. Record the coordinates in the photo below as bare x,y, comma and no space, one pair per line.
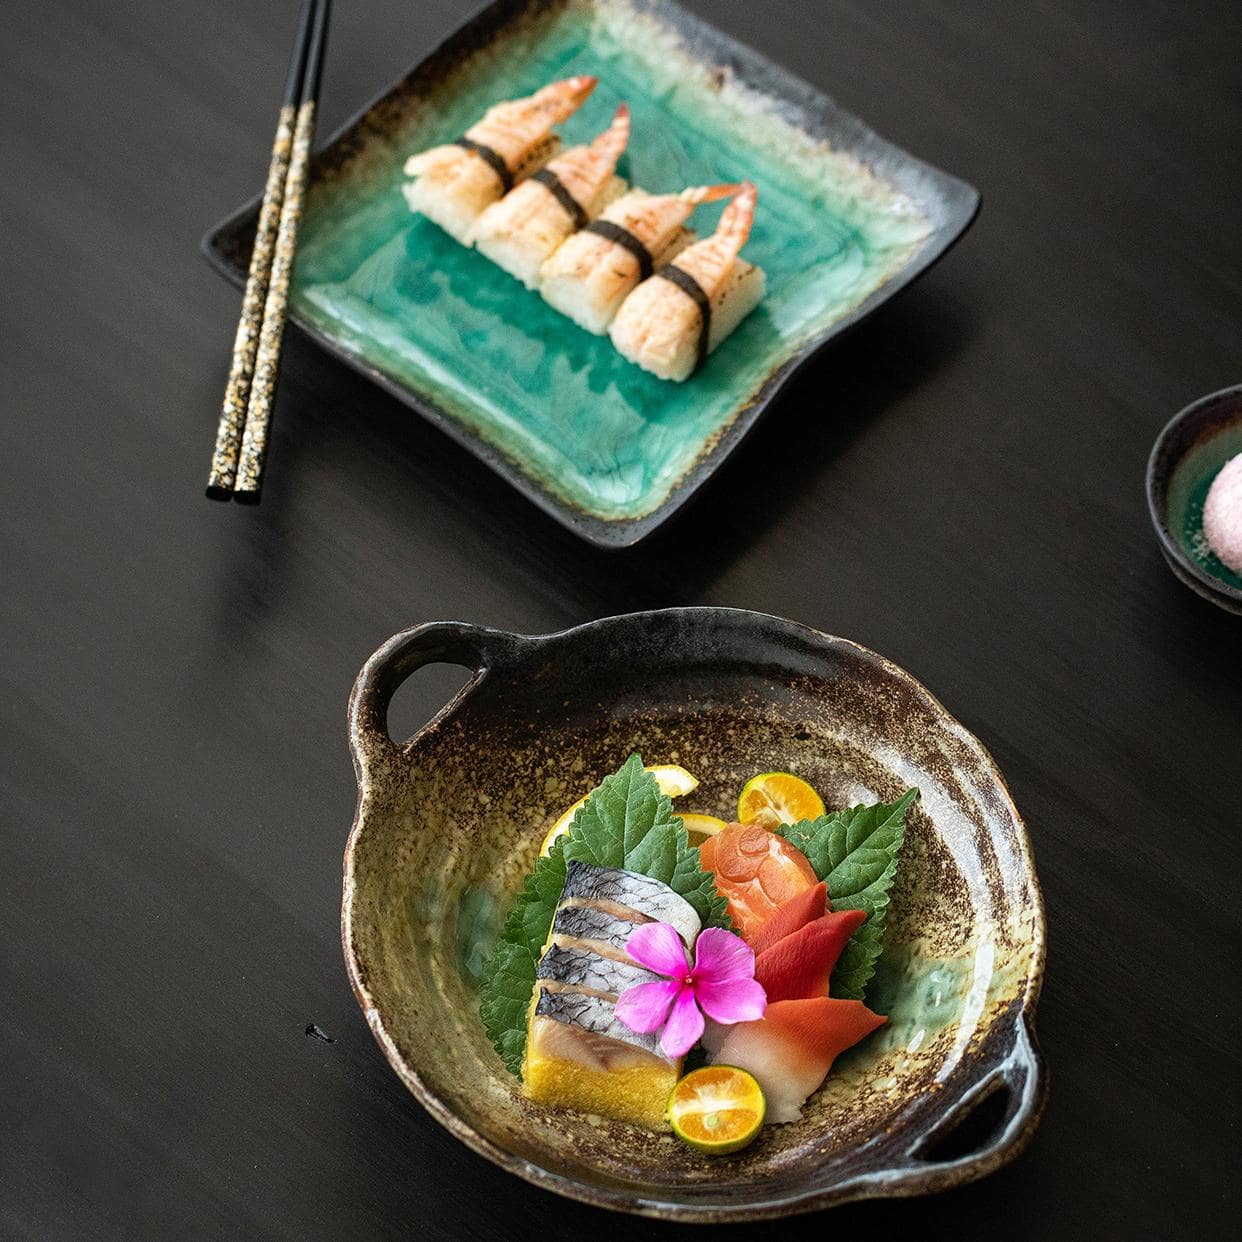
697,194
738,217
562,99
610,144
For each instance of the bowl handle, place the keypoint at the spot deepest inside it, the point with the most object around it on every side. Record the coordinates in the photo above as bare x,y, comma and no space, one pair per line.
437,642
1021,1077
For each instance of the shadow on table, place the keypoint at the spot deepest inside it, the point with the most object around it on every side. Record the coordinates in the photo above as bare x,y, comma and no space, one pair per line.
823,410
1197,638
340,445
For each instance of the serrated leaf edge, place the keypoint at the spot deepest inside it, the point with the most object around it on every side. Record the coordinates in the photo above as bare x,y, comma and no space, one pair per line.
877,915
710,906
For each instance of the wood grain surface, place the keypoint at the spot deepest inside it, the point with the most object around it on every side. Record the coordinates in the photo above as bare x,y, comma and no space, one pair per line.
959,485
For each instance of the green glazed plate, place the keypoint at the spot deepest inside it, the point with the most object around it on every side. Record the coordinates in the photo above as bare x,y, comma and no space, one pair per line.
845,219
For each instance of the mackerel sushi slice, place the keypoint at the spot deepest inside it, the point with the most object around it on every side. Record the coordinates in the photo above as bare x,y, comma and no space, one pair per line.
588,927
595,1016
626,894
580,1055
582,970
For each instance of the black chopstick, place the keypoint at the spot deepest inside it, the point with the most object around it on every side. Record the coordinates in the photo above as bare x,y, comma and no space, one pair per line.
246,343
249,479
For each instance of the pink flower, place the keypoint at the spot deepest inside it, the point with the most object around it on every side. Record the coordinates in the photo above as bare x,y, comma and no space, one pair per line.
721,983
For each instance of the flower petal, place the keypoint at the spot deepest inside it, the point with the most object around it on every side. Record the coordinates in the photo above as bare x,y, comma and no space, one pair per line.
684,1026
658,947
739,1000
722,957
644,1006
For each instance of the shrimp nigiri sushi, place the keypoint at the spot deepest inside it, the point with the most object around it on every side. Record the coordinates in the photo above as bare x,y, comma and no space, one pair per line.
521,230
589,276
454,183
673,320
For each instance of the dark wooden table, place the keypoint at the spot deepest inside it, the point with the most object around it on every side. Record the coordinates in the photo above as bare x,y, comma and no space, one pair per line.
958,485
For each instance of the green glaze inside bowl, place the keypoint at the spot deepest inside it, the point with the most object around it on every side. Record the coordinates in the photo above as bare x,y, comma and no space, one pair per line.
1188,486
587,427
450,823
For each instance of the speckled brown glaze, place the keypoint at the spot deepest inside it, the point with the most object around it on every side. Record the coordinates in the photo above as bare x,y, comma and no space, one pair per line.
267,362
246,343
450,821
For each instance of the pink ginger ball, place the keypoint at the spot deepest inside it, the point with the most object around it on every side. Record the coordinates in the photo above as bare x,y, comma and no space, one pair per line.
1222,514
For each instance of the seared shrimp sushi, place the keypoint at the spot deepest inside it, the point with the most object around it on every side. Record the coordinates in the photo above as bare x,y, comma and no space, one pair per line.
589,276
521,230
454,183
672,321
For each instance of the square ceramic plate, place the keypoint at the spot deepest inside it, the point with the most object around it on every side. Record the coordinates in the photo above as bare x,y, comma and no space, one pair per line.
845,220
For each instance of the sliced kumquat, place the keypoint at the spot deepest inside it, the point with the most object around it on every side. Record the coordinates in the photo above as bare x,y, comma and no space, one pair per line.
717,1109
774,798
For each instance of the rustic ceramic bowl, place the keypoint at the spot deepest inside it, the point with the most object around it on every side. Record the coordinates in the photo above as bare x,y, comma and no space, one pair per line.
450,821
1185,459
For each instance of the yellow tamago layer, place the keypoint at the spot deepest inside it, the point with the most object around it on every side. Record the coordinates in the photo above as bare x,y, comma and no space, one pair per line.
635,1093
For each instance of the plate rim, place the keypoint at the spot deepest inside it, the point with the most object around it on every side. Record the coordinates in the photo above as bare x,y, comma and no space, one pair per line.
962,202
1160,468
375,680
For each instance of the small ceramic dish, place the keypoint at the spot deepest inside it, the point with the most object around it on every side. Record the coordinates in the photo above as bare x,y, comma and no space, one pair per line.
845,220
449,822
1185,459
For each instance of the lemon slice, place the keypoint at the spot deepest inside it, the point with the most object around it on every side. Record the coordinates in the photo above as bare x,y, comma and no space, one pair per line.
674,782
774,798
700,827
559,829
717,1109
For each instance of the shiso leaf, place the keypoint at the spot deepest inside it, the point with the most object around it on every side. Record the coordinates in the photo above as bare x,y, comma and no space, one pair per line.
856,852
625,822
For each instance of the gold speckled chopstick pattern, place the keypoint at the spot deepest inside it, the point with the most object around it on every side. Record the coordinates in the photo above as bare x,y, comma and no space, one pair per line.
241,438
267,361
246,343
